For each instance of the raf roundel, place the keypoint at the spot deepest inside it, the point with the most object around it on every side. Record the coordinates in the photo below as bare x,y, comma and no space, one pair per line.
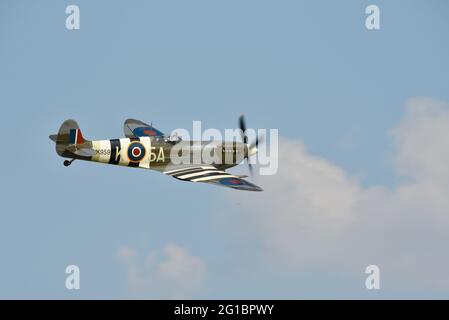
136,151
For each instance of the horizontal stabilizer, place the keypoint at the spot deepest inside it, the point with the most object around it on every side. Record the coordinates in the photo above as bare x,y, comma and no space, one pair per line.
85,152
69,134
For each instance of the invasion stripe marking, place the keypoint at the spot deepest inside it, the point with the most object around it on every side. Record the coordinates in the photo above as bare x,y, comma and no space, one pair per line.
213,177
133,164
177,174
115,151
200,173
211,174
175,171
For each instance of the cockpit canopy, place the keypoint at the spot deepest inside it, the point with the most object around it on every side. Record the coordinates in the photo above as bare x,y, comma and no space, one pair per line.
136,128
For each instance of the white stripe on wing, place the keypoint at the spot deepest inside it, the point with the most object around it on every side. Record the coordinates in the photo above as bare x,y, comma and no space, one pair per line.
200,173
187,169
213,177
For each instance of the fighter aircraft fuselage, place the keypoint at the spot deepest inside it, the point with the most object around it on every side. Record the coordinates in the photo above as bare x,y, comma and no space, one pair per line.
148,148
157,153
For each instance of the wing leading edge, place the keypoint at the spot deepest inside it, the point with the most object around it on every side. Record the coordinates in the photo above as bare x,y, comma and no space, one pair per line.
210,174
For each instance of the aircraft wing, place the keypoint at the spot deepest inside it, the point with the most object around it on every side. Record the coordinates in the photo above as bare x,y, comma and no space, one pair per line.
136,128
210,174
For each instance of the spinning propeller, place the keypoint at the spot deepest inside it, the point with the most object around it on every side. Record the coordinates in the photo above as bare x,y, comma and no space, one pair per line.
251,148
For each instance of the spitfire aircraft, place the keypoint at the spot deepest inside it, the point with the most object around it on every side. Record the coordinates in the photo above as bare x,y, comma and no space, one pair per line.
146,147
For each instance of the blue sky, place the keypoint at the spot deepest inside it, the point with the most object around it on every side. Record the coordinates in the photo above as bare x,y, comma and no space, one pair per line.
308,68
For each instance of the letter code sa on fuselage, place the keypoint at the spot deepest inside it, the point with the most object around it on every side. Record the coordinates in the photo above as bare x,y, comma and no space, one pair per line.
131,152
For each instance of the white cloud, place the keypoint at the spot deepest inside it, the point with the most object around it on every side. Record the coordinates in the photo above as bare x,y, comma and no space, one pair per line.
422,141
175,275
313,213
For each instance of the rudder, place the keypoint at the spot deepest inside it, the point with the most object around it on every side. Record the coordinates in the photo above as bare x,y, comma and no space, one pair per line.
69,133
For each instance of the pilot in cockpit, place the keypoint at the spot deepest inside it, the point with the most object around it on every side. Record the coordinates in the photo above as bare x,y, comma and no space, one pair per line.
173,138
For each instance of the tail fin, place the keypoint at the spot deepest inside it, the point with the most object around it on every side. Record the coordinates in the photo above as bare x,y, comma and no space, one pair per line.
69,134
75,136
